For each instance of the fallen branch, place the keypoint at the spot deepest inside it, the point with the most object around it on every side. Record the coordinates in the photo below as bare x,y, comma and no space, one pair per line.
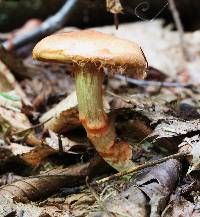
49,26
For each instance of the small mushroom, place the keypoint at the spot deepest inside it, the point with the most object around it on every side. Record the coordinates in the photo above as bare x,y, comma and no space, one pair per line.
92,52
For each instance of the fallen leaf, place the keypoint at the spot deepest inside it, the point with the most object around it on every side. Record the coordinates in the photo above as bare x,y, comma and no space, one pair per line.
172,127
114,6
192,147
9,207
63,144
64,115
9,83
158,183
129,203
37,187
147,194
179,206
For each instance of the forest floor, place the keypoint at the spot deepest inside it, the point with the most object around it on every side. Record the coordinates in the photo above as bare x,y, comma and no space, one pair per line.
45,155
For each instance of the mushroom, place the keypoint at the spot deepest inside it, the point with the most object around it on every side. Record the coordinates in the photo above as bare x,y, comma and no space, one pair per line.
92,52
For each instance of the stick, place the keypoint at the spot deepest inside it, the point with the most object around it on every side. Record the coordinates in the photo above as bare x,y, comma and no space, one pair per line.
49,26
120,174
153,83
137,168
180,29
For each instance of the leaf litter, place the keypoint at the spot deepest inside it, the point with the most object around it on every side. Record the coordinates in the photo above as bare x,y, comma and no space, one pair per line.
160,117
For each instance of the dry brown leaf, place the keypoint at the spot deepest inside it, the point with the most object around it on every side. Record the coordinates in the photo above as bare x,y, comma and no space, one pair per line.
64,115
129,203
172,127
148,194
35,156
13,121
159,183
9,207
114,6
34,188
192,146
41,186
67,145
179,206
9,83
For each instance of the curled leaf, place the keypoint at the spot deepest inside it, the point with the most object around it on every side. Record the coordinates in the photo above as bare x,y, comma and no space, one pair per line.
114,6
192,146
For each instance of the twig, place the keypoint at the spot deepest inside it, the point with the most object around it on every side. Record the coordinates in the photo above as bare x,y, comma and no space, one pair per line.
153,83
180,29
137,168
127,100
123,173
22,132
120,97
49,26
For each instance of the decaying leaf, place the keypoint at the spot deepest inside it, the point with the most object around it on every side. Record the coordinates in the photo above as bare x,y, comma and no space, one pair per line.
8,178
80,204
129,203
8,83
174,127
54,144
158,184
179,206
114,6
14,63
64,115
17,149
148,193
41,186
10,100
63,144
12,121
192,146
9,207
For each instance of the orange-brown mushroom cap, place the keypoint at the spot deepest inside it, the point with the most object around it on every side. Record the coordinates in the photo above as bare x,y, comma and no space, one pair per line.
90,46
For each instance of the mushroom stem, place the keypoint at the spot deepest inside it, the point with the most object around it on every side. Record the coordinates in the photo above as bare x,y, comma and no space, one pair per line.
99,130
